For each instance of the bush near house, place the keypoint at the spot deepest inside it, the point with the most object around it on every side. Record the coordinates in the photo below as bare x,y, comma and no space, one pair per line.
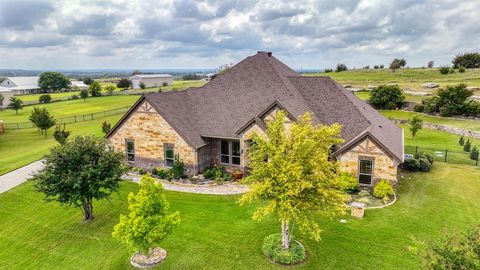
217,173
349,183
422,162
383,190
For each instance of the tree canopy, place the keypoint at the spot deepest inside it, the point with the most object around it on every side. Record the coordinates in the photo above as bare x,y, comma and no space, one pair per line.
387,97
53,81
467,60
123,83
15,104
292,174
95,89
416,124
149,221
42,119
79,171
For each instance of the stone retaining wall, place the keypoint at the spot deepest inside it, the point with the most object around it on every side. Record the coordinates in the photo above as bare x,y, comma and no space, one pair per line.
452,130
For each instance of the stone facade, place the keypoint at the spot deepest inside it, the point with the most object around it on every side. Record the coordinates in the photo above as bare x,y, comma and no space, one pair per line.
384,166
149,131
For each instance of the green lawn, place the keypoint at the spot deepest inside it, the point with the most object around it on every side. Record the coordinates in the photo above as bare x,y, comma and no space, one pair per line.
407,78
72,107
431,141
412,98
467,124
217,233
23,146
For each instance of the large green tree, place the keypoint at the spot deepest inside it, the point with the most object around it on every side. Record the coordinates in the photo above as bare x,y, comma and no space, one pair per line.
388,97
53,81
15,104
149,221
292,174
83,169
416,124
95,89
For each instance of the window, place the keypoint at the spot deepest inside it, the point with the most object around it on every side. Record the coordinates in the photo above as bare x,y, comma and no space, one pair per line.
365,172
224,151
130,150
169,155
230,152
236,152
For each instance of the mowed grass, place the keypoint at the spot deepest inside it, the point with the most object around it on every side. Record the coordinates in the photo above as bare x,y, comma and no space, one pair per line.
23,146
468,124
363,95
55,96
216,233
432,141
71,107
407,78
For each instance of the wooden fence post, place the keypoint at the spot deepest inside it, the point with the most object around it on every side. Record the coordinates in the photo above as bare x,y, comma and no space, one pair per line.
446,154
416,150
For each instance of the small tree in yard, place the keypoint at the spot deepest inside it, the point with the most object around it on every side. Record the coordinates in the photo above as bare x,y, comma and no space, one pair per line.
61,134
95,89
84,94
467,146
109,88
148,222
79,171
15,104
142,85
42,119
106,127
388,97
474,153
292,174
416,124
461,141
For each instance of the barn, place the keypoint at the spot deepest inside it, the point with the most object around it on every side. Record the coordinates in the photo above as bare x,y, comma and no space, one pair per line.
151,80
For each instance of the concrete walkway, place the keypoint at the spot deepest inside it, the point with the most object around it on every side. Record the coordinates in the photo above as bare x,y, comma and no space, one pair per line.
15,178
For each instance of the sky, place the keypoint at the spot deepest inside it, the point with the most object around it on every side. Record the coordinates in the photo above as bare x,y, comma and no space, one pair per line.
310,34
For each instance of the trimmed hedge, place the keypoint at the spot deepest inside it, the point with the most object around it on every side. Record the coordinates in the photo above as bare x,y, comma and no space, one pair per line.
272,248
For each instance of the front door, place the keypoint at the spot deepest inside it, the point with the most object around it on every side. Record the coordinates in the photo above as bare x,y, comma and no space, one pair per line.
365,172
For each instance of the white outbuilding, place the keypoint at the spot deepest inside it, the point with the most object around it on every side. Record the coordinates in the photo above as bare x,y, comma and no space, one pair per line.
151,80
21,85
78,84
7,94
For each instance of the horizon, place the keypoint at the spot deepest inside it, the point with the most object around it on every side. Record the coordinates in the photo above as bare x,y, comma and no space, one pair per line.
47,34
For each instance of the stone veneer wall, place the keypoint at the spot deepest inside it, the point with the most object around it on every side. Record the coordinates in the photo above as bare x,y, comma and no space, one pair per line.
384,167
150,131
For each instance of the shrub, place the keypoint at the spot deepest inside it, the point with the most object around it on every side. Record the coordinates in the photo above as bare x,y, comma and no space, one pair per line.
474,153
123,83
74,96
162,173
61,134
110,88
106,127
349,183
412,164
387,97
383,190
375,67
461,69
218,174
467,60
444,70
328,70
382,66
95,89
418,107
178,168
142,85
341,67
424,165
45,98
426,156
461,141
272,248
467,146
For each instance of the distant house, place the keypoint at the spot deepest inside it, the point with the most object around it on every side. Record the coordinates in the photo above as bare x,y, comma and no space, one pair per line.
78,84
21,85
7,94
151,80
213,124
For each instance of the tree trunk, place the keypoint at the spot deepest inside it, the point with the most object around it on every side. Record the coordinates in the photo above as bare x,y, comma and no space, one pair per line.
285,235
87,209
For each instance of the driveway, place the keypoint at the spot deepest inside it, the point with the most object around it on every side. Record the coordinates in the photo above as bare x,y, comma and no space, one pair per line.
18,176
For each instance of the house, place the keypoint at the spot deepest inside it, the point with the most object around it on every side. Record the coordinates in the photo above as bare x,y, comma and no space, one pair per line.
7,94
21,85
78,84
151,80
213,123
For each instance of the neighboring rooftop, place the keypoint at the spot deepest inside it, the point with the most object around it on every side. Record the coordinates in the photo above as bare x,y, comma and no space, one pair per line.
152,75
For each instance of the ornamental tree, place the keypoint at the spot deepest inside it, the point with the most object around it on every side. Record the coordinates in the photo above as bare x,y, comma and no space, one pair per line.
291,173
53,81
95,89
149,221
15,104
416,124
79,171
42,119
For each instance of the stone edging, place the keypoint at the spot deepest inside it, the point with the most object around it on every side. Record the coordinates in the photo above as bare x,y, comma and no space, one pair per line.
452,130
174,182
383,206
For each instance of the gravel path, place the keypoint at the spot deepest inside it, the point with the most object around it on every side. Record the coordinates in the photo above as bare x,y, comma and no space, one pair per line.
225,189
18,176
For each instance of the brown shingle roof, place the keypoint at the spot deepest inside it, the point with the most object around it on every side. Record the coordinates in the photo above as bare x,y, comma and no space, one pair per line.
231,100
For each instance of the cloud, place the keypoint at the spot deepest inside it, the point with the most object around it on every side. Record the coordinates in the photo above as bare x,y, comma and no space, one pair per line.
208,33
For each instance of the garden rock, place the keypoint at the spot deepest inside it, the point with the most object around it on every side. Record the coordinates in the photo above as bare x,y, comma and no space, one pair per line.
141,261
430,85
358,209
